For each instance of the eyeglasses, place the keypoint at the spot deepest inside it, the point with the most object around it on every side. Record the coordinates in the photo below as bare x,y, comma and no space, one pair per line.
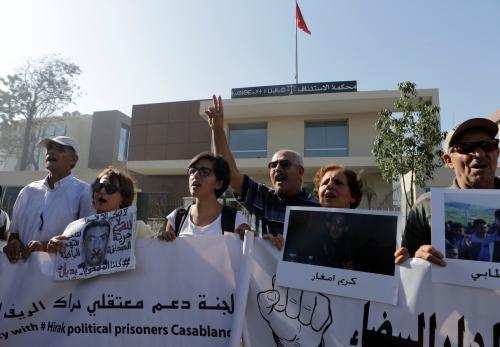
469,147
202,171
284,163
109,188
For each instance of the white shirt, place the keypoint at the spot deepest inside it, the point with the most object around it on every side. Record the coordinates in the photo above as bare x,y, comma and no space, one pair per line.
4,220
188,228
41,213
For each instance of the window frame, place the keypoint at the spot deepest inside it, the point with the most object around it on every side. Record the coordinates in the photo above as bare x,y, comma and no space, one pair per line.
341,151
249,126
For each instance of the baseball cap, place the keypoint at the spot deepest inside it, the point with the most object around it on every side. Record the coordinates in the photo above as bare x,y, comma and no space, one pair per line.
484,124
62,140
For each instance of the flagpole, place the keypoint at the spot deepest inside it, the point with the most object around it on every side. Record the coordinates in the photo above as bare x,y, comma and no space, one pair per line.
296,49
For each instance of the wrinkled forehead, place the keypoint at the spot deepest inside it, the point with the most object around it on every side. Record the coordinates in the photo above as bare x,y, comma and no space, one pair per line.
336,173
472,135
282,155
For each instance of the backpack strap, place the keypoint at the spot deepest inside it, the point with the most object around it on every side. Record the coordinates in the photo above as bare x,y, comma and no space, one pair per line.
228,219
180,216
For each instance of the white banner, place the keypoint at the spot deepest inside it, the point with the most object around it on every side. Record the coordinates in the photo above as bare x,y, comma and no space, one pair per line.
426,314
184,293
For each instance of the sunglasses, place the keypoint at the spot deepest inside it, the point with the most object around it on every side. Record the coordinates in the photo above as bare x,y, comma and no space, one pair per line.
109,188
469,147
202,171
285,164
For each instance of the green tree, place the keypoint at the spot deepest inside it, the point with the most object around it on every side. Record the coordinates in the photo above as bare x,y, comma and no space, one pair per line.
408,140
37,90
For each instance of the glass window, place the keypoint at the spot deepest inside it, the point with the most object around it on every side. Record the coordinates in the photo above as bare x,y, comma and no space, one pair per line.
248,140
123,146
326,139
56,130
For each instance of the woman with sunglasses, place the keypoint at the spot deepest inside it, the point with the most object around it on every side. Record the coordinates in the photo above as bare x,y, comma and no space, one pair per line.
208,178
112,189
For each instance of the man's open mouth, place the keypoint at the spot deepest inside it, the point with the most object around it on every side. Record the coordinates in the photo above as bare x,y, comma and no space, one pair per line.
280,178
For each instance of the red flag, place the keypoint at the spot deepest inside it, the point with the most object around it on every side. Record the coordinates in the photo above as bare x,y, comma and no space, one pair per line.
301,23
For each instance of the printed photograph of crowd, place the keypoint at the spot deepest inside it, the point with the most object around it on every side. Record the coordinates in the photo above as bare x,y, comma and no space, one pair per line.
472,238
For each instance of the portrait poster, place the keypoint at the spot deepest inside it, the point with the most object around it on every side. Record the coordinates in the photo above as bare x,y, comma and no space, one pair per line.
97,245
466,230
341,251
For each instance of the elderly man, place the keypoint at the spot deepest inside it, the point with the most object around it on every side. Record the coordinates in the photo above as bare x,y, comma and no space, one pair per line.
471,151
266,205
44,208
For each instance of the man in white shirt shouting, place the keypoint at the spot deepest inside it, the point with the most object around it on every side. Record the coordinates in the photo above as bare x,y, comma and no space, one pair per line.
44,208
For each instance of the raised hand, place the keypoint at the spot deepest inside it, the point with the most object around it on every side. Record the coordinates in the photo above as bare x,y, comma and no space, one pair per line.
215,113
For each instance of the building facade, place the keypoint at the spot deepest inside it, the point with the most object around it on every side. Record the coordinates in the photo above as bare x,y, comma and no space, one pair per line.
325,128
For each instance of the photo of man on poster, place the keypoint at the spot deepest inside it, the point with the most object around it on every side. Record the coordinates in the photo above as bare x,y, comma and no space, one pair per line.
95,237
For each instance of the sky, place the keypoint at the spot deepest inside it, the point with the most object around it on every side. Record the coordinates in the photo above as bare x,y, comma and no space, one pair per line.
148,51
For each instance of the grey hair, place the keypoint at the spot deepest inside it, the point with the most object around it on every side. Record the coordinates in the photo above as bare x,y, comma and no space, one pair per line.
297,158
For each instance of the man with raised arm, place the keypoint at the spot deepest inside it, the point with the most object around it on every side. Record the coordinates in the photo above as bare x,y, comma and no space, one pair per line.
471,151
267,205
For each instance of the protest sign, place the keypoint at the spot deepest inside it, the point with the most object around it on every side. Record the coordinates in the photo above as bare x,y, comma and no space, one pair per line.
98,244
184,293
340,251
466,231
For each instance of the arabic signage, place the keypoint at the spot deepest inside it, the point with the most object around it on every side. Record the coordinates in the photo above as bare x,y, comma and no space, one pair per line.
98,244
427,314
295,89
184,293
332,251
465,230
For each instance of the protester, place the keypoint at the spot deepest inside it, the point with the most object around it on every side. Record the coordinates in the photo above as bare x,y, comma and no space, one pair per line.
267,206
113,189
208,180
336,186
44,208
471,151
